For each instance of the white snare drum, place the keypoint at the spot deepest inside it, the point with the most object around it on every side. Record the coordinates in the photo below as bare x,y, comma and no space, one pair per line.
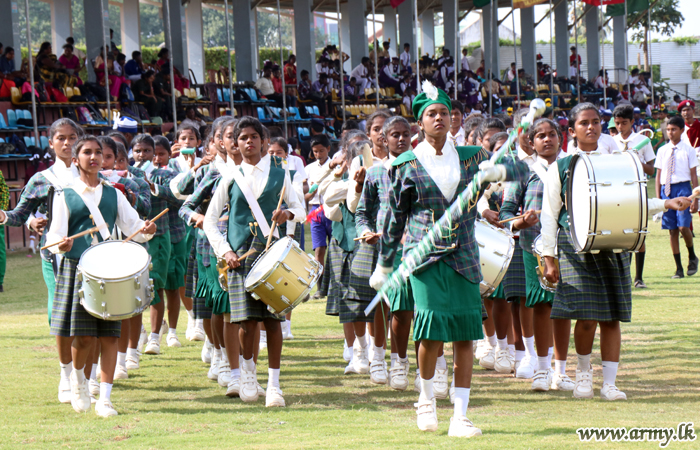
537,248
607,202
115,282
283,276
496,247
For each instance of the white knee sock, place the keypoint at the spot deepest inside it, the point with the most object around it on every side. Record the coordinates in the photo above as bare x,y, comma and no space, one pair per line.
93,374
530,346
362,340
132,352
248,365
502,344
393,357
426,391
441,363
461,401
172,331
609,372
492,340
66,369
560,367
154,336
379,353
79,374
105,391
584,362
121,358
235,373
190,314
519,355
542,363
273,378
550,352
511,350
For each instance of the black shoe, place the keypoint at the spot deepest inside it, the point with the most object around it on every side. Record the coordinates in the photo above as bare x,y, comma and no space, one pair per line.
1,288
677,275
639,284
693,266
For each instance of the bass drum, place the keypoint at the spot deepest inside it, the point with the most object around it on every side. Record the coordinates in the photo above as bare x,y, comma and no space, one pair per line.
496,247
537,247
606,199
115,282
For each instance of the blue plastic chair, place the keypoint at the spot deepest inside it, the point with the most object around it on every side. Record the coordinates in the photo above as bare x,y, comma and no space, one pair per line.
11,118
44,141
294,110
227,94
262,117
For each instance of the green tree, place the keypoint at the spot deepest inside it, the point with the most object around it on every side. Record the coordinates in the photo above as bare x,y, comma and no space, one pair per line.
268,30
665,18
215,27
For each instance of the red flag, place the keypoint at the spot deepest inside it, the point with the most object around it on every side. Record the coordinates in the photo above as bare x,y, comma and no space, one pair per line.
396,3
605,2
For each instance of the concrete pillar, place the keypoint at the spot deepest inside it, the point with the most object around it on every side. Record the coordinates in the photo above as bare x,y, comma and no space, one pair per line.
304,36
489,19
592,43
527,39
407,33
345,35
179,35
195,39
390,30
620,44
449,21
427,27
561,31
130,27
10,29
358,33
96,30
61,24
245,43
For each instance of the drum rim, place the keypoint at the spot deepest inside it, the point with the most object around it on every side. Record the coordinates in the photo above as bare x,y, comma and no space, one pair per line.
593,199
504,267
129,277
254,284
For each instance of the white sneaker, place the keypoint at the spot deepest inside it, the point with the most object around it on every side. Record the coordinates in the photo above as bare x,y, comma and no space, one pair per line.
527,367
206,352
561,383
441,388
360,358
94,388
80,396
120,372
377,371
285,330
173,341
611,392
153,347
290,336
350,368
64,391
462,427
542,380
104,408
234,387
481,348
274,397
427,415
249,385
398,375
163,331
213,373
416,384
198,333
584,384
190,328
347,352
224,377
488,361
133,363
261,390
503,363
142,340
263,341
93,398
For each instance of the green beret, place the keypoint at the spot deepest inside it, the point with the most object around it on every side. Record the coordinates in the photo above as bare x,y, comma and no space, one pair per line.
429,96
612,124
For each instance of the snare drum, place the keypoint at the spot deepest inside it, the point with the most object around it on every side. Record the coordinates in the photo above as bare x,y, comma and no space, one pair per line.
115,282
607,202
537,248
282,277
496,247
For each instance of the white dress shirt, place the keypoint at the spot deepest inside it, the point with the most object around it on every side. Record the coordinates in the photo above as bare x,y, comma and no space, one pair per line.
405,59
65,174
646,153
685,160
353,197
314,172
257,177
465,63
127,220
460,139
552,205
296,163
443,169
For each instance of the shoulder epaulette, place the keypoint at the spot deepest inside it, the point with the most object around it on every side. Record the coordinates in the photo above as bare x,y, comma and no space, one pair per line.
404,158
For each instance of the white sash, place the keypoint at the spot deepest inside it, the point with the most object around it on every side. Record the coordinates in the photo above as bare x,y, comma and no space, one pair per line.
96,215
252,202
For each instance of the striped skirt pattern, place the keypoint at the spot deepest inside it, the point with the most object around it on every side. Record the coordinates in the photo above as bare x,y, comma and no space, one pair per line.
514,284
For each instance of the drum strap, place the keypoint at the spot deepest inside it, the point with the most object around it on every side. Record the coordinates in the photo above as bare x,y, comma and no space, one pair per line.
96,216
252,202
539,170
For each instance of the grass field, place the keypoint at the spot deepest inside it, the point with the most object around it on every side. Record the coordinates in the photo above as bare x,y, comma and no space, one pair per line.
169,402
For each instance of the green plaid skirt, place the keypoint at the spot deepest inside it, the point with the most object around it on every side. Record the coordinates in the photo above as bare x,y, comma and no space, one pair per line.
401,299
243,305
159,249
592,286
338,271
218,298
361,269
68,317
177,266
514,284
191,274
199,301
499,292
535,293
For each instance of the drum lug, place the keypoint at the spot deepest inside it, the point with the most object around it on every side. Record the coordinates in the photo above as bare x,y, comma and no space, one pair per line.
285,300
301,280
80,276
297,249
137,283
138,299
150,267
628,182
105,314
81,293
600,183
600,233
102,286
286,267
255,296
269,286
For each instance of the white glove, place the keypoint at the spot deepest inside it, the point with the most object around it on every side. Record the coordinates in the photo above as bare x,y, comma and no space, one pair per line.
485,164
495,173
380,277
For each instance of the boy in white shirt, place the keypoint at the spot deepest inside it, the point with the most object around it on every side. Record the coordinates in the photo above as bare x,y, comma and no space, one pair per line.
456,133
676,177
406,57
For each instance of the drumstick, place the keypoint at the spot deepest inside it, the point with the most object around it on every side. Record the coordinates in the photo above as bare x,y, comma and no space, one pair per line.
75,236
518,217
274,223
366,237
246,254
152,220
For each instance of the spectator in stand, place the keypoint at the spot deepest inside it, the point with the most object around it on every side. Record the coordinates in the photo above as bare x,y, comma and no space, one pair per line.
163,58
395,67
638,82
50,70
277,84
290,70
351,91
674,103
8,74
406,58
115,82
163,91
320,87
408,96
133,69
69,60
385,52
265,86
361,74
445,54
322,66
306,91
510,74
76,51
573,58
191,118
386,76
481,71
465,60
143,92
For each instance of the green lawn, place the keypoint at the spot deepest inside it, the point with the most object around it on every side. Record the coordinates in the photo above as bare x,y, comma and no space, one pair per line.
169,403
